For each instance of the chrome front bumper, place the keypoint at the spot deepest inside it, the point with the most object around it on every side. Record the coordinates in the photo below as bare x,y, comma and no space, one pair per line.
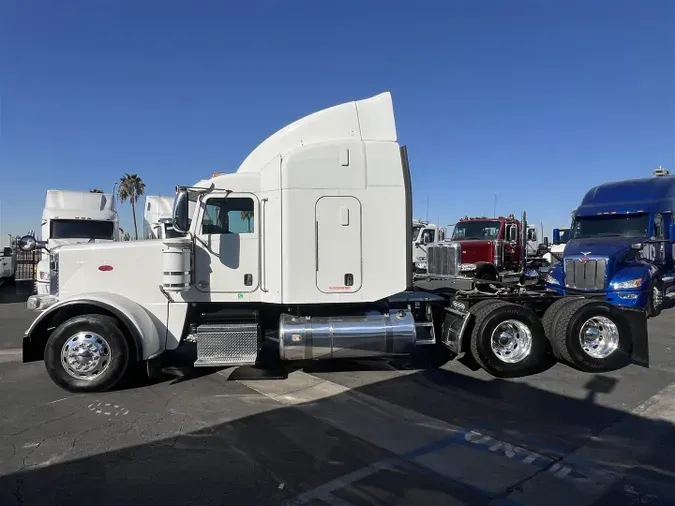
41,302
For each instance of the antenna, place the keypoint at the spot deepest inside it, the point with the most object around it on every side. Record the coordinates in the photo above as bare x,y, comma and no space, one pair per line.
494,207
427,217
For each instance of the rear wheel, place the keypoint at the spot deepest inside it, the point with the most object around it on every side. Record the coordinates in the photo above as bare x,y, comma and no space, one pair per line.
591,336
507,339
87,353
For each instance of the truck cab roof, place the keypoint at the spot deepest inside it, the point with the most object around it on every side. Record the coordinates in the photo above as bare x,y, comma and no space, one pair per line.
648,195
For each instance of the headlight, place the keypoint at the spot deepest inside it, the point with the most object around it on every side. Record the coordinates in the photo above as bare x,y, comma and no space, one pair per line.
43,276
421,259
551,280
631,283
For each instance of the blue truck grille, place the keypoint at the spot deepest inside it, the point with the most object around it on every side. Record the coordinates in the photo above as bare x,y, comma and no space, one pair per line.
590,274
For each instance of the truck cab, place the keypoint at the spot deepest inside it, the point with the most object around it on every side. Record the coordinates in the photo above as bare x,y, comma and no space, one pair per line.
423,234
555,251
621,244
491,247
74,217
7,264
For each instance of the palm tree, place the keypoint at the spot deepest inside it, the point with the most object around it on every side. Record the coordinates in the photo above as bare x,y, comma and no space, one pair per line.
131,188
247,216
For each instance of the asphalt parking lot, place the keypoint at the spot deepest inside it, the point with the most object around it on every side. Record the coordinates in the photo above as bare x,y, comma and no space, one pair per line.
350,433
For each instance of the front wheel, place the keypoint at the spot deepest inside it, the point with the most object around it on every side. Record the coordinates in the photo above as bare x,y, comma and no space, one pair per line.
655,304
87,353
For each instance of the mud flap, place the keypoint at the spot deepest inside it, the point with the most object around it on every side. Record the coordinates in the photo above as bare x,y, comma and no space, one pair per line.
636,320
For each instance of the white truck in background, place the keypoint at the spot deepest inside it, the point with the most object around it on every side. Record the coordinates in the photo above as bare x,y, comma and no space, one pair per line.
424,233
74,217
7,264
302,254
157,218
557,247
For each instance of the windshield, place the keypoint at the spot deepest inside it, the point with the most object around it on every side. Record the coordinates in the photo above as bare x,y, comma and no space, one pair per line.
416,231
564,235
476,230
634,225
81,229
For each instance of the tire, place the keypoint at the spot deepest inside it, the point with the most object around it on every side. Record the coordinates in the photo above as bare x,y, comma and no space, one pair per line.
654,306
566,338
549,319
102,336
489,319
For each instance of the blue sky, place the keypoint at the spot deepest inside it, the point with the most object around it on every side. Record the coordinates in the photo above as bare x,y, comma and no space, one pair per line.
535,101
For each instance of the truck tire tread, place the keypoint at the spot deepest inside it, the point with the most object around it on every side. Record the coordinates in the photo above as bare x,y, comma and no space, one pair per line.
549,320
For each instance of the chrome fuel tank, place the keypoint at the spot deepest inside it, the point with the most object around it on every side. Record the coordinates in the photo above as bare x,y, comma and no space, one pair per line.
371,334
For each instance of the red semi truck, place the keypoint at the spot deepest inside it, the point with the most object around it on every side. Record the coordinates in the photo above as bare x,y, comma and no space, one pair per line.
497,248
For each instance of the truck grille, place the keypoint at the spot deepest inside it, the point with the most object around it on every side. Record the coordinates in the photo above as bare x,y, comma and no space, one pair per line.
587,275
444,259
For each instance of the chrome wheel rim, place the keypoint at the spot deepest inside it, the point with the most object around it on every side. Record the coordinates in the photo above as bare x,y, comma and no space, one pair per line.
599,337
86,355
511,341
657,298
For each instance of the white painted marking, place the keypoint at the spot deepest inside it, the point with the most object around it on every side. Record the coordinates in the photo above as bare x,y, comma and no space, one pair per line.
401,430
588,472
59,400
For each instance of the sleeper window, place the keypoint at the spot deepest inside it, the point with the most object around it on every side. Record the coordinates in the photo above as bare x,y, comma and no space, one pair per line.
233,215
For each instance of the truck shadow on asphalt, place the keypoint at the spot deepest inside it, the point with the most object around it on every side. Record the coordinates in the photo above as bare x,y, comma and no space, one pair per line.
479,439
13,292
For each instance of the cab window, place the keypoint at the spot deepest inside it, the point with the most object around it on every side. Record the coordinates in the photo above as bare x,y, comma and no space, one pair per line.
234,215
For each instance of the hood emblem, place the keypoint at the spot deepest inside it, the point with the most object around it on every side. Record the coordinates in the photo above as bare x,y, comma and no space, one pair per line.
584,257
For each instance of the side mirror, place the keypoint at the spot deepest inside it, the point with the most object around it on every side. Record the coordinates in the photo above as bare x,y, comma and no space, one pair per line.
671,232
636,246
556,235
426,239
7,252
512,233
546,242
180,212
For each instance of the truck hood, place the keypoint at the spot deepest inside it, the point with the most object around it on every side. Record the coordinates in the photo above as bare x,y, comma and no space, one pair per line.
53,243
608,246
475,251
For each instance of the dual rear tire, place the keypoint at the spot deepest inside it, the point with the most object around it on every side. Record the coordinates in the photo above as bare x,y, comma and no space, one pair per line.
509,340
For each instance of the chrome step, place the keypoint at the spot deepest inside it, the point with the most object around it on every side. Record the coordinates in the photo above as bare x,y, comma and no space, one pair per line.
223,344
426,334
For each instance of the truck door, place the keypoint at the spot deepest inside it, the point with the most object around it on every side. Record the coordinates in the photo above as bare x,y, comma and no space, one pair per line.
338,244
227,252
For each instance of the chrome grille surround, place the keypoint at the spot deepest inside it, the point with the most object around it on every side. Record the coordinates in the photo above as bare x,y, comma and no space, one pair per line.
585,273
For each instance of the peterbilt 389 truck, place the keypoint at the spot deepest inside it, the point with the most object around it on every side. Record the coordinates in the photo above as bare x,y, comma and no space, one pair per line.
495,248
304,250
621,245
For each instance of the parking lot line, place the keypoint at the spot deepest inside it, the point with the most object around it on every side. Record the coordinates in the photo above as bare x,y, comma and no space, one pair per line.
509,473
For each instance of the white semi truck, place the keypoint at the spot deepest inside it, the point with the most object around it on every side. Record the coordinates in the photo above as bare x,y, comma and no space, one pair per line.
557,247
423,234
74,217
157,217
304,249
7,264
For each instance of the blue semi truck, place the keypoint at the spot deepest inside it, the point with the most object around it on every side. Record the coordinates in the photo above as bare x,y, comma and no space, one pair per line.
621,245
